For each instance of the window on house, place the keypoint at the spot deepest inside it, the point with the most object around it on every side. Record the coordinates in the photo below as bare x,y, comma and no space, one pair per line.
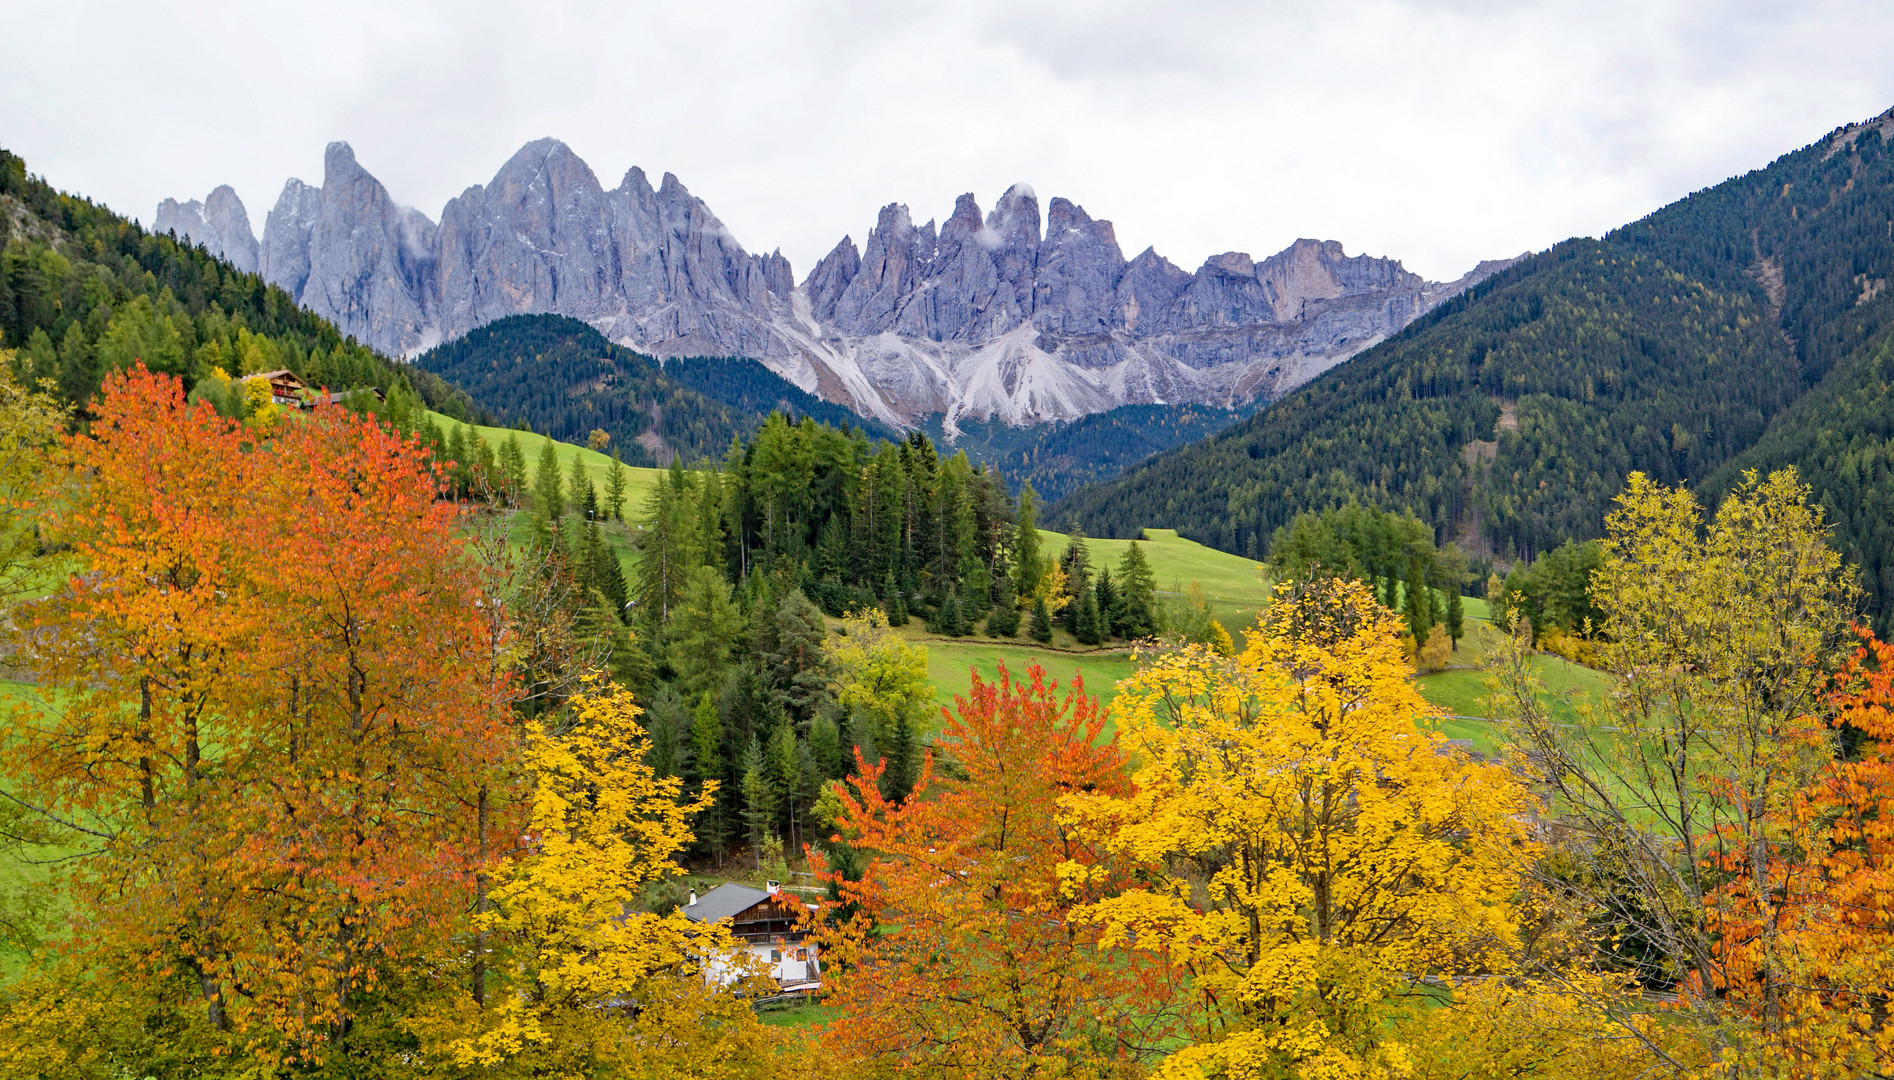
775,956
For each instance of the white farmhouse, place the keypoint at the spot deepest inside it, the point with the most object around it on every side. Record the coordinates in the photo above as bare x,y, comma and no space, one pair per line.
769,926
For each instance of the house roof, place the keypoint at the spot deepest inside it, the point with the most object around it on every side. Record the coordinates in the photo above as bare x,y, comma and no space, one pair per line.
280,373
724,901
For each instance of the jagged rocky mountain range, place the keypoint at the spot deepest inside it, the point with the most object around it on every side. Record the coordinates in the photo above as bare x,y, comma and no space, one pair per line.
998,315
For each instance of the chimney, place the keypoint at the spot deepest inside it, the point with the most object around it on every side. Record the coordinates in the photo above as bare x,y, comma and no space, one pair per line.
775,887
693,902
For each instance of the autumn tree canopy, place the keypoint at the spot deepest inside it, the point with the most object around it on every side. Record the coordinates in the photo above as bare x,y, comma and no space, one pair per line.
962,958
1315,850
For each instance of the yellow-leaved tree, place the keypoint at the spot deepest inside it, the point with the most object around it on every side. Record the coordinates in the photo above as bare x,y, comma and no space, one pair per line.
1322,851
582,981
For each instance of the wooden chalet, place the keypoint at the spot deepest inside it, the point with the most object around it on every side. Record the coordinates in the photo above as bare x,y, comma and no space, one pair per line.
285,388
292,393
768,925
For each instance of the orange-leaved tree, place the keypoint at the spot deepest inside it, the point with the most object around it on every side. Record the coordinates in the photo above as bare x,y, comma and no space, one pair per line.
268,706
1808,958
960,958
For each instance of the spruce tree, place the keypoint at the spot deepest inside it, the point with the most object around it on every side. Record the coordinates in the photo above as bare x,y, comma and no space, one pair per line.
785,774
1110,611
759,799
1027,568
1003,621
897,778
608,577
1456,617
1041,628
707,764
953,617
1418,601
893,602
1137,594
546,485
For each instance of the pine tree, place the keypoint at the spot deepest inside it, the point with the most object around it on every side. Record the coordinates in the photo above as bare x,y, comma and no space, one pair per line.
1086,623
1110,611
616,482
1041,629
546,485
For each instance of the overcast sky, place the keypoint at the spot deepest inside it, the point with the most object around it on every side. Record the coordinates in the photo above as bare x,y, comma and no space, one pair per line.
1436,132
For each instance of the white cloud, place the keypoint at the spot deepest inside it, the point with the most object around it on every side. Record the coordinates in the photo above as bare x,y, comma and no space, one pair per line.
1438,132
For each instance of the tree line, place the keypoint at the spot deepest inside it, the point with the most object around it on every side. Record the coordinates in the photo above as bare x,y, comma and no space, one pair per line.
721,625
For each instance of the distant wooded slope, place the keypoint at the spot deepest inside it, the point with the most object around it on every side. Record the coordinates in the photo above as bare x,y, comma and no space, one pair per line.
1743,325
565,379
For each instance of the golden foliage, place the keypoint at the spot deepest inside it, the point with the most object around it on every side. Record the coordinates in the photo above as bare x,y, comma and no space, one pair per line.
1320,850
583,982
1435,651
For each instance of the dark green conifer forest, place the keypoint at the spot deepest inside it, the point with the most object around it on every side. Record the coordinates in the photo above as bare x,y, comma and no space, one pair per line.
1743,326
562,378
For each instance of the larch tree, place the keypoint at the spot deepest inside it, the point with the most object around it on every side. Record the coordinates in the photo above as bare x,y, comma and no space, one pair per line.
616,484
547,486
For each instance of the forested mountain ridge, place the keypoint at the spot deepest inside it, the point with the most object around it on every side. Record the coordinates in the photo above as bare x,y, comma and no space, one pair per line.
84,291
1509,416
565,379
1060,457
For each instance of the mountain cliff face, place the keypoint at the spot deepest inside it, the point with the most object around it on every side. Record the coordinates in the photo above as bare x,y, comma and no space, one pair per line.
1003,315
219,224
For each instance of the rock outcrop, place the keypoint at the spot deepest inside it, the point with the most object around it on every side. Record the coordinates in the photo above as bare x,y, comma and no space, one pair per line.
219,223
1003,314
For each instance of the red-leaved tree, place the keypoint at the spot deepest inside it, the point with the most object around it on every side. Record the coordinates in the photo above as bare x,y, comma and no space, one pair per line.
958,956
270,708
